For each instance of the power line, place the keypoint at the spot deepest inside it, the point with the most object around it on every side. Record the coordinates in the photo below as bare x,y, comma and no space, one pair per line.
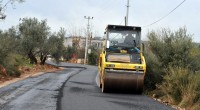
165,15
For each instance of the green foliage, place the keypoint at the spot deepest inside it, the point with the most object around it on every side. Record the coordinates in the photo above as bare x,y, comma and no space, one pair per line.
173,67
9,42
172,48
34,33
81,53
181,86
69,53
32,40
167,48
11,64
154,71
93,56
57,51
13,71
53,46
36,40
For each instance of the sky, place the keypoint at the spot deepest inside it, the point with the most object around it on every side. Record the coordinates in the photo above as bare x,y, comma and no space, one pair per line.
69,14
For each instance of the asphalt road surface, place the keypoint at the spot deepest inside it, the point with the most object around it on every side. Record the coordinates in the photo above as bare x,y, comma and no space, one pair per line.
81,92
73,88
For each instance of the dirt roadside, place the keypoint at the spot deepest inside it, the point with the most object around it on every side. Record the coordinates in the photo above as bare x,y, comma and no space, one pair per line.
27,72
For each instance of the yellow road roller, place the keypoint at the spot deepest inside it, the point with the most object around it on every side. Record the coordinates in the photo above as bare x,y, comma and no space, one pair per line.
122,66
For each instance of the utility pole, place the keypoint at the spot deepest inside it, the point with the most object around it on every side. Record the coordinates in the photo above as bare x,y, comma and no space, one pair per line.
127,12
90,39
88,35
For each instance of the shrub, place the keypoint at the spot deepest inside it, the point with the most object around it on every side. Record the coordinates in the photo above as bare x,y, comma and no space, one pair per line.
9,44
13,61
171,48
93,56
3,71
154,71
13,71
181,86
69,53
173,67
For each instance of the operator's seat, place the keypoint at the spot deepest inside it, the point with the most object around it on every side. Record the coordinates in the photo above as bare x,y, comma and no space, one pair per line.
129,39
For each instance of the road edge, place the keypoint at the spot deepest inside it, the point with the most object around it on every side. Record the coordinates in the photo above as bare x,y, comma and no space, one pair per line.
60,94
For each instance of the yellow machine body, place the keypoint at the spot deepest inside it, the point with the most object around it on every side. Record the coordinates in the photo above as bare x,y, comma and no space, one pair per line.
118,69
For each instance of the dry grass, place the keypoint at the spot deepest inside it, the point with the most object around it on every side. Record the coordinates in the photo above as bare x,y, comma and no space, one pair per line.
181,87
27,71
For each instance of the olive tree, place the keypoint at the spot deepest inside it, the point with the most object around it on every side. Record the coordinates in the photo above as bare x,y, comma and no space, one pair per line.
53,46
34,34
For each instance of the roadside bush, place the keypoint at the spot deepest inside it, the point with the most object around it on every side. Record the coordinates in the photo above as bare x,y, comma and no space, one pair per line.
3,71
12,63
173,67
93,56
171,48
81,53
13,71
8,48
69,53
154,71
181,86
196,106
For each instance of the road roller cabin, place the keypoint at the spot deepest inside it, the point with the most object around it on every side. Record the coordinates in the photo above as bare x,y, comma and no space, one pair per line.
122,66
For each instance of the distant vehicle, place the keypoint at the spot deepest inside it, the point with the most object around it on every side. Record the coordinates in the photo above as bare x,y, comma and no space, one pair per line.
49,57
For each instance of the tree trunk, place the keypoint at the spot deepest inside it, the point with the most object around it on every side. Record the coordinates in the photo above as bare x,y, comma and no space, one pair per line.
32,58
42,59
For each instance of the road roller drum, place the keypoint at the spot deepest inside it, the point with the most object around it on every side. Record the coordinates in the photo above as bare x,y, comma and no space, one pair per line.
122,81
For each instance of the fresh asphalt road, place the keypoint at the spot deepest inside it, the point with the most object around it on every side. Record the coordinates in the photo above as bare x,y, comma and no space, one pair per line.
35,93
81,92
73,88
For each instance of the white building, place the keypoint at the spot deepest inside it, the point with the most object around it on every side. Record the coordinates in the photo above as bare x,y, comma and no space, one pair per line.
79,42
